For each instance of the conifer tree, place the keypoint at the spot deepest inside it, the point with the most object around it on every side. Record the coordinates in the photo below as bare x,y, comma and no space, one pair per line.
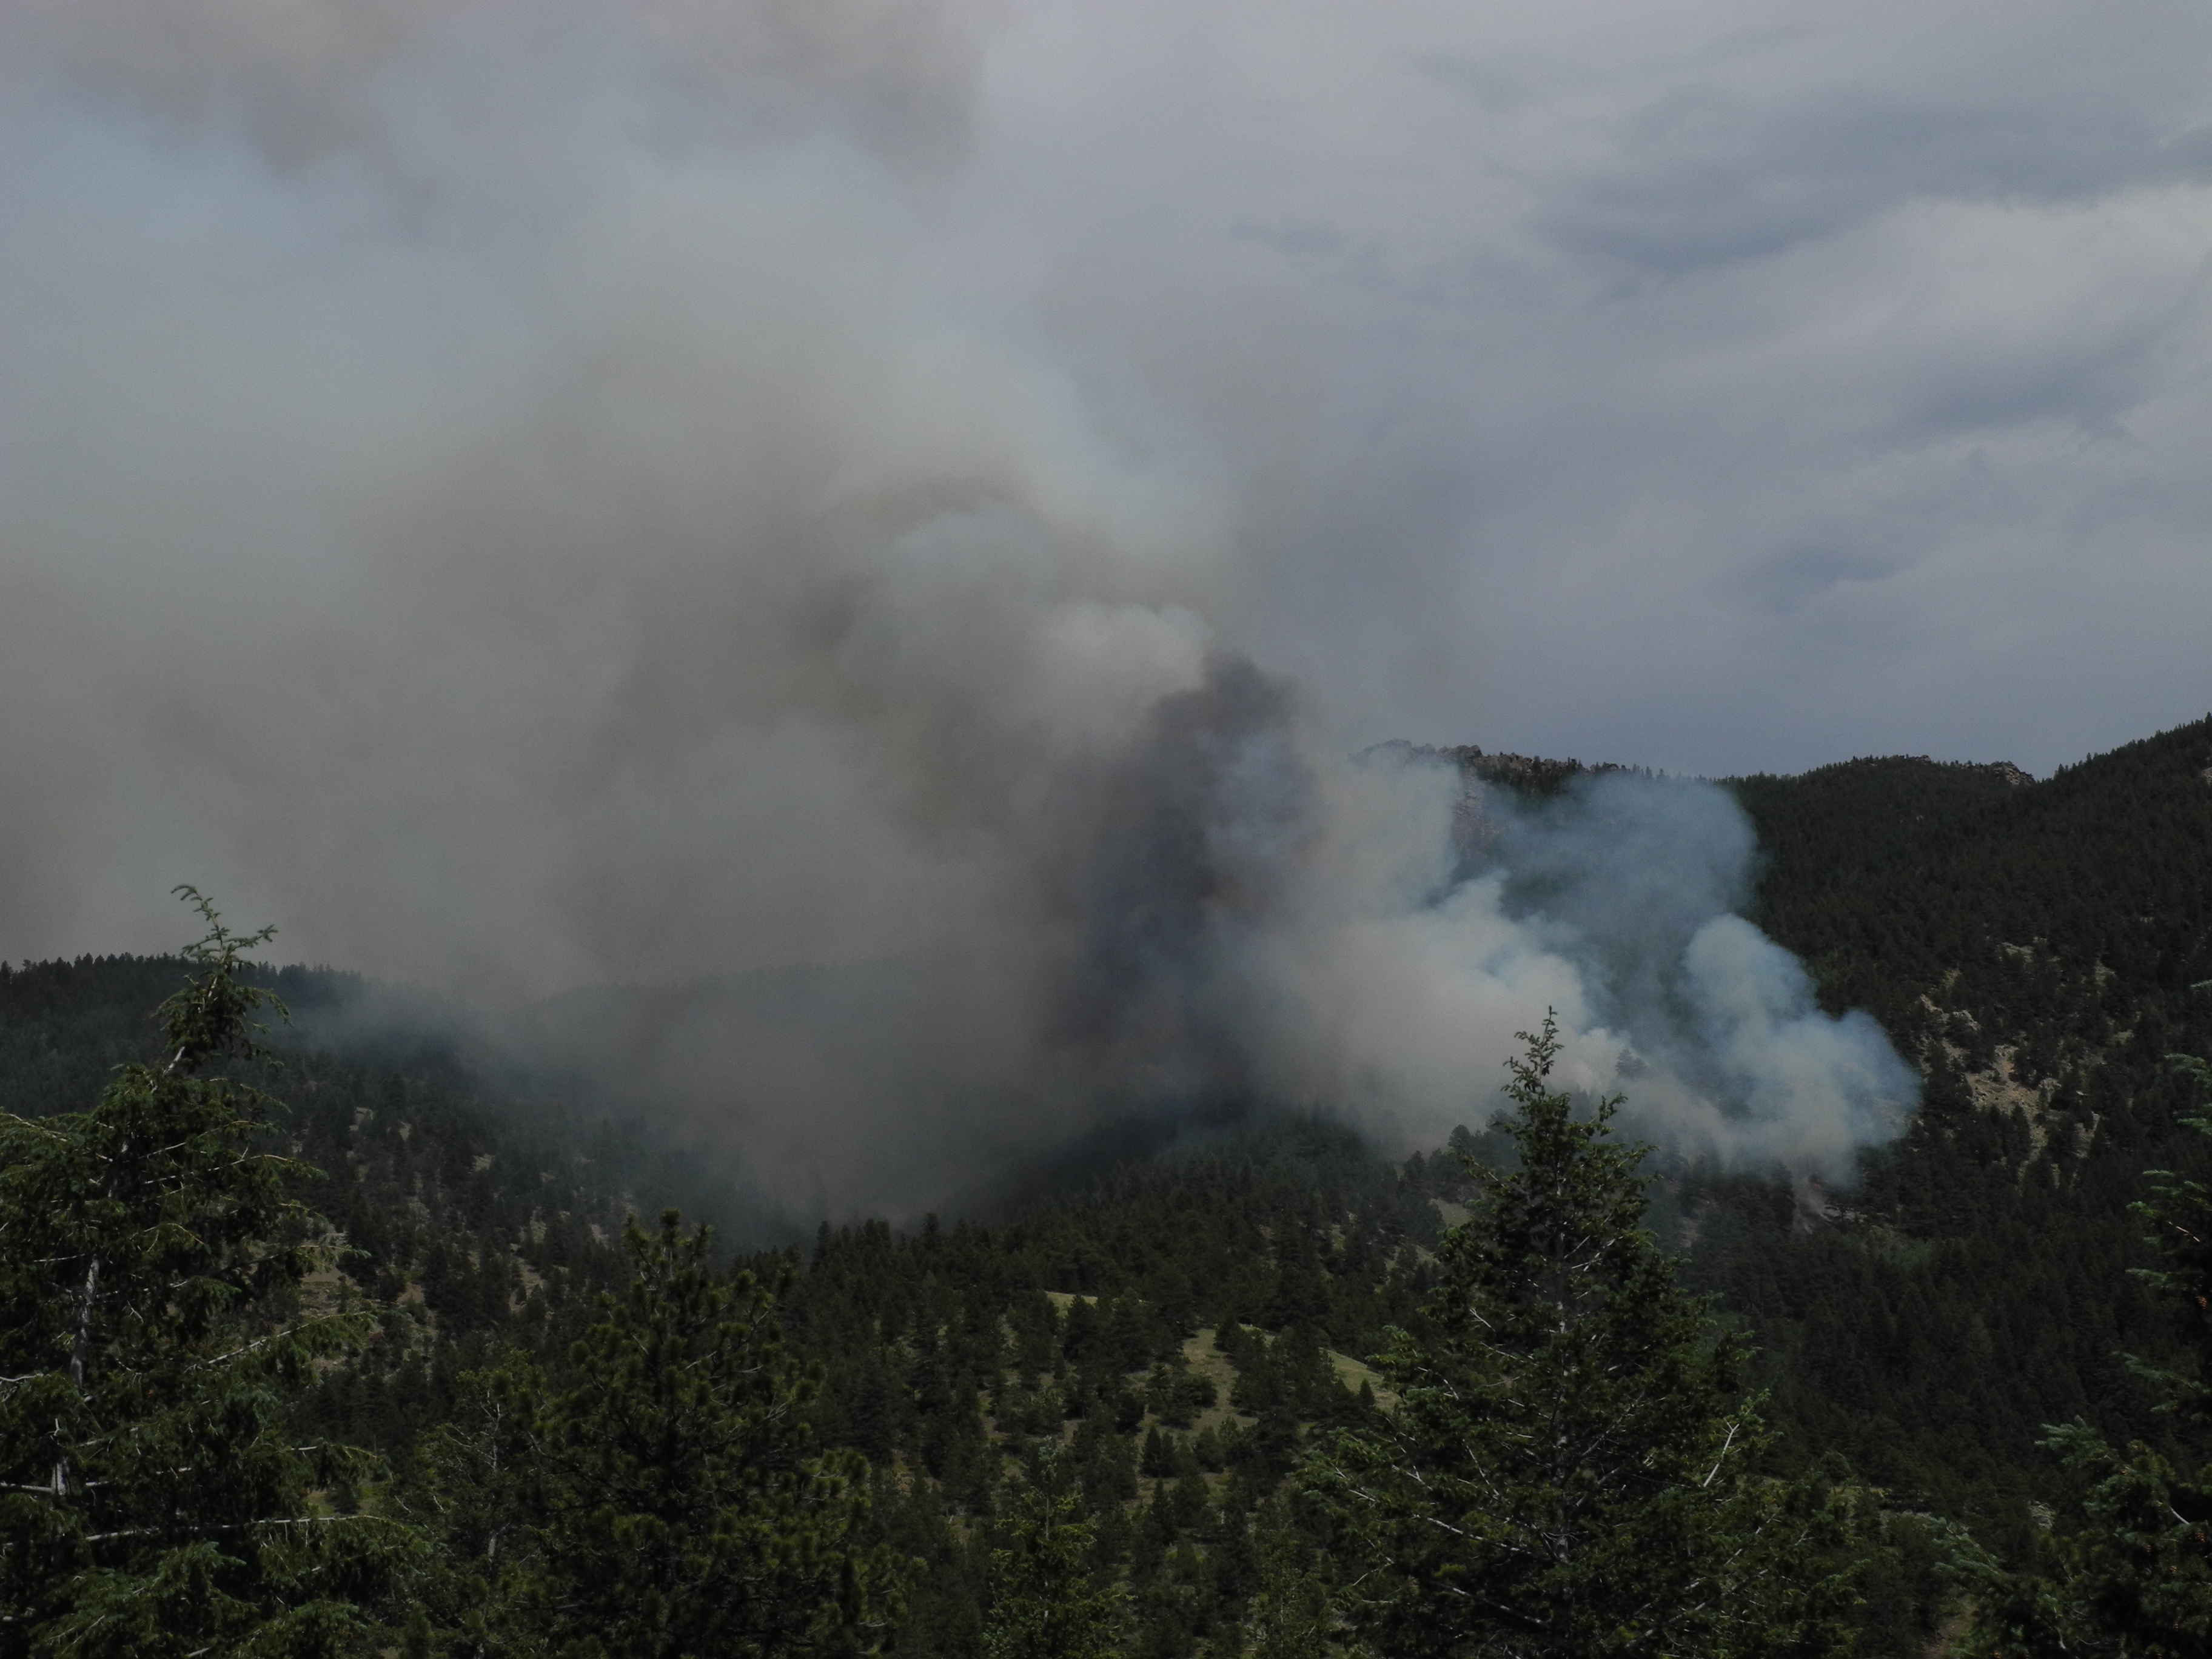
476,1491
1044,1602
1289,1617
1567,1468
150,1265
674,1503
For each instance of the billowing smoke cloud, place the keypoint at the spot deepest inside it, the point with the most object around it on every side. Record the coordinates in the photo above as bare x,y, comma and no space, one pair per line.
1727,1054
1226,916
530,498
1380,929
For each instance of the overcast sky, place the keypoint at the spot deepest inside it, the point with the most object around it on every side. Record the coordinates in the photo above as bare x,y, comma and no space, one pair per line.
1723,386
460,454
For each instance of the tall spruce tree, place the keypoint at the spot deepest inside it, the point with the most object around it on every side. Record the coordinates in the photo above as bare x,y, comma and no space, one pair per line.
671,1505
1567,1468
150,1330
1046,1601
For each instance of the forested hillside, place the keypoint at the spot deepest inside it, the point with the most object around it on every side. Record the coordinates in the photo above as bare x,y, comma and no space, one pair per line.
1139,1374
2039,949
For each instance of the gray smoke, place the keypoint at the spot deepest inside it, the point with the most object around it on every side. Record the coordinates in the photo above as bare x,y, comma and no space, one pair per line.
1726,1053
1231,917
515,496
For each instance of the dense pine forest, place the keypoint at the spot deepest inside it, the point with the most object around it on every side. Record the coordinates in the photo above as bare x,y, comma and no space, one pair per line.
468,1393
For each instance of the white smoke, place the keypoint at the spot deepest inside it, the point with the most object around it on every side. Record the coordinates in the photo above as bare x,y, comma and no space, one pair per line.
521,498
1401,969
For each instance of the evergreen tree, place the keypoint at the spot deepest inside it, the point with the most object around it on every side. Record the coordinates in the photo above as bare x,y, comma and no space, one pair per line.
674,1503
476,1481
150,1262
1044,1602
1567,1467
1290,1615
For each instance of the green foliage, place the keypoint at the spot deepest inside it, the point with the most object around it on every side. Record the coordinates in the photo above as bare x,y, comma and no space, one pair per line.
1291,1617
474,1492
2031,944
672,1502
1044,1601
2131,1577
2180,1218
151,1262
1568,1467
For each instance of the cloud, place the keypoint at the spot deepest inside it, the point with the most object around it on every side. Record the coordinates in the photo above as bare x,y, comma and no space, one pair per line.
1700,178
1621,312
303,81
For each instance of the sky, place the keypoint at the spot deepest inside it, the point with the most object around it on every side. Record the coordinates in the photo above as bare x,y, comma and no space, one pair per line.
1720,387
530,494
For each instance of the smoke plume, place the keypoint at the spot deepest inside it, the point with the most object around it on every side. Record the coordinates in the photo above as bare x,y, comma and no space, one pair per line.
522,498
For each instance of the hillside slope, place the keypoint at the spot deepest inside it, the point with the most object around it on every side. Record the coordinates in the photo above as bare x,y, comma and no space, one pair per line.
2033,946
1180,1324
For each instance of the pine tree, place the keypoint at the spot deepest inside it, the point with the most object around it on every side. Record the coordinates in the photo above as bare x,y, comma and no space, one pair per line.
1044,1602
671,1503
1566,1469
150,1263
1289,1617
476,1492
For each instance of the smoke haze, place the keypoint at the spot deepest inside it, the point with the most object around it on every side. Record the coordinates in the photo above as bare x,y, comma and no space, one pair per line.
894,517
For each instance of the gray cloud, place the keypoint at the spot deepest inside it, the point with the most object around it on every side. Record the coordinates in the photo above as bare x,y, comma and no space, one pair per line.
400,81
1700,178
